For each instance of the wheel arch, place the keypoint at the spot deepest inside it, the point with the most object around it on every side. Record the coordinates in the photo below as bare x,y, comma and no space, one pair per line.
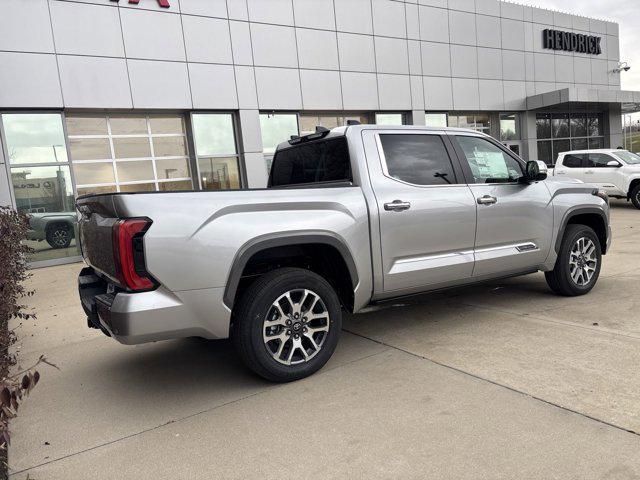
589,216
333,260
633,184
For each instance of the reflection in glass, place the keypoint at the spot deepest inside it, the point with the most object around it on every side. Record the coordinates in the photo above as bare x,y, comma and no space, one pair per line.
543,126
175,186
173,168
95,190
134,171
435,119
596,143
86,125
138,187
45,194
277,128
560,146
579,144
578,125
560,126
509,127
137,147
214,134
89,149
169,147
128,125
91,173
219,173
389,119
166,124
594,126
544,152
34,138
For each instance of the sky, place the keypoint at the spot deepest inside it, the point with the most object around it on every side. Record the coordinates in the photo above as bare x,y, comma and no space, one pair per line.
624,12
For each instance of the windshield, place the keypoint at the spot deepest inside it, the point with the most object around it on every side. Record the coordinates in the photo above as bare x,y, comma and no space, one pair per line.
628,157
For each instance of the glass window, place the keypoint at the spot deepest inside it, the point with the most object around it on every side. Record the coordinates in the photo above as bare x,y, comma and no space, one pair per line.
277,128
34,138
138,187
134,171
167,160
175,186
219,173
573,161
627,157
214,134
560,126
594,126
595,143
417,159
578,125
128,125
87,125
544,152
319,161
560,146
389,119
166,125
579,144
435,120
308,121
169,146
88,173
488,163
96,190
172,168
89,148
45,194
543,126
477,122
509,128
131,147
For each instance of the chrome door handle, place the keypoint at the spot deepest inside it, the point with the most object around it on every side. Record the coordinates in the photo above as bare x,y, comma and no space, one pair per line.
487,200
397,206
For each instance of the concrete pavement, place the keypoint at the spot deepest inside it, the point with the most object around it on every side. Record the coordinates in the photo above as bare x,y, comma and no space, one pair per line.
503,380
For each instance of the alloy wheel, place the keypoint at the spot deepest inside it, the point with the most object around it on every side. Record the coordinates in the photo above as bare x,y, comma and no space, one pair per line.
583,261
296,326
60,237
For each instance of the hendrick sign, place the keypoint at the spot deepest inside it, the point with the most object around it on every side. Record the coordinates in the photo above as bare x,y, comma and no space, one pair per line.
571,42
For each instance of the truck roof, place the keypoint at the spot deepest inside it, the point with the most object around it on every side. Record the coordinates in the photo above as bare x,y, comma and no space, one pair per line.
341,131
594,150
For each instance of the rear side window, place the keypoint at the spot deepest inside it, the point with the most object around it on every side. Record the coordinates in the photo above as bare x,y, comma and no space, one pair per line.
417,159
573,161
315,162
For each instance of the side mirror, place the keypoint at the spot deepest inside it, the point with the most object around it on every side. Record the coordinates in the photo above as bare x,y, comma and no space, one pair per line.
535,171
614,163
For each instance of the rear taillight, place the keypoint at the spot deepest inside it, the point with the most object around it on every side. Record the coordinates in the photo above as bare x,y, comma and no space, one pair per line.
128,252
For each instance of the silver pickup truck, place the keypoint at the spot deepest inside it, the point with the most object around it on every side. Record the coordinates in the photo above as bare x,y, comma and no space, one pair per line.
352,216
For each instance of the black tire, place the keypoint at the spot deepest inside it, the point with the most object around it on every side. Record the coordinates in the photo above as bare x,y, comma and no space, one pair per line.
635,196
257,302
559,279
59,235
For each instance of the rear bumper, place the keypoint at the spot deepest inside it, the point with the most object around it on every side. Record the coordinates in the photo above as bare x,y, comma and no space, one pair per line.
133,318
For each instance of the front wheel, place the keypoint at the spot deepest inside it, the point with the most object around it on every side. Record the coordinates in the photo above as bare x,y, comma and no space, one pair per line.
59,236
287,324
578,264
635,196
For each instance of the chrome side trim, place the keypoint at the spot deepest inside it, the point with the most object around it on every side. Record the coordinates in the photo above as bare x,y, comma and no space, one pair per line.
431,261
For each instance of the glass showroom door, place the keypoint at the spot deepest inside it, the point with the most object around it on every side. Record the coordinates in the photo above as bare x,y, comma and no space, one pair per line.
36,154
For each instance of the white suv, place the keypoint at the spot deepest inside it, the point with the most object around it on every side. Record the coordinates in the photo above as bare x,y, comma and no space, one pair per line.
615,171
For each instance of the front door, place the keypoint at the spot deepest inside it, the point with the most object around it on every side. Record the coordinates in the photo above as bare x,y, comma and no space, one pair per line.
427,213
514,220
598,173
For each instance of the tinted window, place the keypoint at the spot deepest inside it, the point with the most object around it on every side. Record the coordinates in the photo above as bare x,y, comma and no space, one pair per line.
573,161
417,159
320,161
488,163
598,160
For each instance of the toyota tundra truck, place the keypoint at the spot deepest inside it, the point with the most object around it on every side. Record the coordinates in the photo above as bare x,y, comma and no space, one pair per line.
350,217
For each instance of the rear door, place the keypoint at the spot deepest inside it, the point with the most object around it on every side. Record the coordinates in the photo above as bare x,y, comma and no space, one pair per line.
427,213
514,220
571,166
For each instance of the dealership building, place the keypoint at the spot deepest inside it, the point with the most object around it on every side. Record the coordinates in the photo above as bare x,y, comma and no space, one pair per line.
166,95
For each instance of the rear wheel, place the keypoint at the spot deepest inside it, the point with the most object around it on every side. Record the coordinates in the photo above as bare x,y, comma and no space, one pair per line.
59,235
287,324
578,264
635,196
